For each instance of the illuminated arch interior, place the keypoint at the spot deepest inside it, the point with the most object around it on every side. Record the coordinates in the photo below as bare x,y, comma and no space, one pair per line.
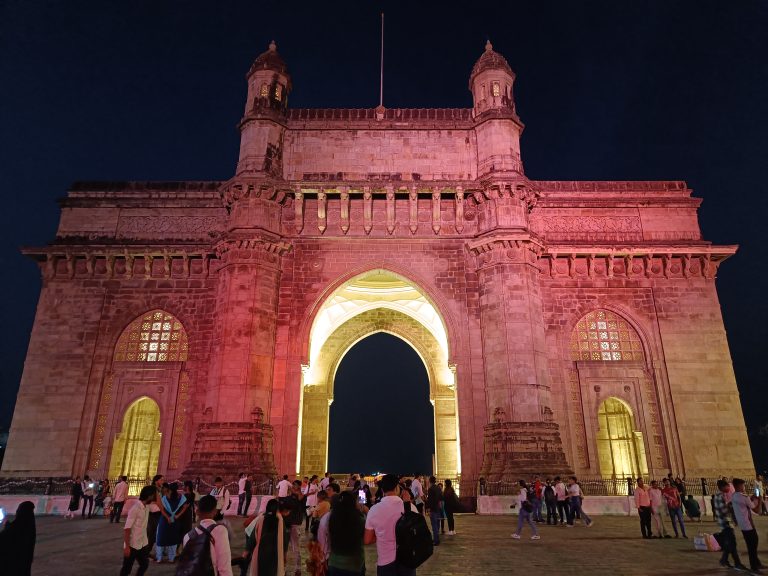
136,449
374,289
155,336
620,447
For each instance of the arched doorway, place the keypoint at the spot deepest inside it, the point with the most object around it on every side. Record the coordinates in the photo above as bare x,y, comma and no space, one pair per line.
381,419
136,449
376,301
620,447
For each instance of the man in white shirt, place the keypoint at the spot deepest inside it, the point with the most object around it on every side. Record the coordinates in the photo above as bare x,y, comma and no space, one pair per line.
563,510
380,528
221,493
324,482
742,512
221,555
284,487
418,494
575,497
658,509
241,495
121,493
135,541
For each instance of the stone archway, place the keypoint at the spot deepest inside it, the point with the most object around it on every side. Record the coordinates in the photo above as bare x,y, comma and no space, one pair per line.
136,448
388,304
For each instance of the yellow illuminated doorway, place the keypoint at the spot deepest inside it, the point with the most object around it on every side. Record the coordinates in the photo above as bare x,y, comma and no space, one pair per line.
136,449
620,447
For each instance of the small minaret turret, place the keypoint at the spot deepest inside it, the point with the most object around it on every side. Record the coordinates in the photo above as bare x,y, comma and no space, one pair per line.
262,127
498,127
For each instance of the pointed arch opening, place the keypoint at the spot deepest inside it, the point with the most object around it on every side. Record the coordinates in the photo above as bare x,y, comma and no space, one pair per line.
620,447
136,447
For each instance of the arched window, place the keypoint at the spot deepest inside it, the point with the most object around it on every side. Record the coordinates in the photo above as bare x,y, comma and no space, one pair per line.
264,91
136,449
156,336
620,447
603,335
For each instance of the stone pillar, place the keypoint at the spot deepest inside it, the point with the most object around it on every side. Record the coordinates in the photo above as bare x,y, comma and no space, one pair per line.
237,436
521,437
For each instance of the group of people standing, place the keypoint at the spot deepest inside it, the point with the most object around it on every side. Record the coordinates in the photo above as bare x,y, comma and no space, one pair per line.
562,501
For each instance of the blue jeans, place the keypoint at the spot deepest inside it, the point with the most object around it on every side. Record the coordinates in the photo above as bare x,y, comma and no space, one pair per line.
523,517
576,507
434,518
170,550
394,569
676,514
537,510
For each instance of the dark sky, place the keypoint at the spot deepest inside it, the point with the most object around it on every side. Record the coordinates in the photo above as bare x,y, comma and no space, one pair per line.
608,90
381,417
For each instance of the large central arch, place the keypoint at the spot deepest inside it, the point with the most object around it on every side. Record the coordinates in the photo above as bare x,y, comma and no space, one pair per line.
376,301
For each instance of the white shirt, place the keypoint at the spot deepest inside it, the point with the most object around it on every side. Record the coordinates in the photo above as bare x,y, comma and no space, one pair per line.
241,486
137,524
121,491
221,555
324,483
382,519
657,498
560,491
283,488
222,498
574,490
742,511
416,489
523,496
312,491
322,536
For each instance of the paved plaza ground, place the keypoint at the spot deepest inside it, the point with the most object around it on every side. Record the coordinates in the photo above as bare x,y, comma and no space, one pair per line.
482,547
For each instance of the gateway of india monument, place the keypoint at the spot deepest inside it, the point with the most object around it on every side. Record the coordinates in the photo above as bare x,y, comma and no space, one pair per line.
194,328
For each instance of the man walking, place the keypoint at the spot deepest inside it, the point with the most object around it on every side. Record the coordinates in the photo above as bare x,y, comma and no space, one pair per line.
722,516
223,500
575,498
284,487
380,528
121,493
135,541
643,505
742,511
221,553
418,494
435,507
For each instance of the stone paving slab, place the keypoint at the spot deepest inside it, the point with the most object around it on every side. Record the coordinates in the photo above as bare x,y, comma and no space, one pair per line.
483,546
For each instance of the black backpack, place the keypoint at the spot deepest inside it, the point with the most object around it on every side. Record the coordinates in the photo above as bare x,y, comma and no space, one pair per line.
195,558
413,538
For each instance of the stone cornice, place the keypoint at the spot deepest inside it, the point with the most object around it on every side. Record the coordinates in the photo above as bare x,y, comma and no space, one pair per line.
635,261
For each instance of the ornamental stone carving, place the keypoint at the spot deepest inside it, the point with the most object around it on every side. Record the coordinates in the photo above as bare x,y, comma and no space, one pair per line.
169,226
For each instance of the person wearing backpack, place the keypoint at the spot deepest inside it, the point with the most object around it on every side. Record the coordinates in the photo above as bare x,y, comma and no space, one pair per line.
527,498
135,542
206,549
381,528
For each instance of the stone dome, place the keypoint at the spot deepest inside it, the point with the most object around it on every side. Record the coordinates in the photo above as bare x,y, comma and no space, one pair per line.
490,60
269,60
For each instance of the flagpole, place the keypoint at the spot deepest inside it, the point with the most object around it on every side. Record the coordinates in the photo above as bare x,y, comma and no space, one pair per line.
381,77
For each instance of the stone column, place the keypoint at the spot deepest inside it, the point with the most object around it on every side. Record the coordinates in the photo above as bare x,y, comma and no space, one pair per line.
235,435
521,437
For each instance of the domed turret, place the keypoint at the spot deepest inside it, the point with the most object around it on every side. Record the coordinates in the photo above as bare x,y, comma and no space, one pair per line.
491,82
268,81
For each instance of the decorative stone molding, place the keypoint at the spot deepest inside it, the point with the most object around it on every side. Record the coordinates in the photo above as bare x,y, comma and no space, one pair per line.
497,249
597,224
265,248
169,226
665,262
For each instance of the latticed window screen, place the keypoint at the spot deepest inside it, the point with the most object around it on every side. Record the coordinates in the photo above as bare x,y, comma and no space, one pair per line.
603,335
154,337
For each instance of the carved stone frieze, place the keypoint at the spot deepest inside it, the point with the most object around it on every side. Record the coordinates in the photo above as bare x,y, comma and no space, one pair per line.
168,226
597,224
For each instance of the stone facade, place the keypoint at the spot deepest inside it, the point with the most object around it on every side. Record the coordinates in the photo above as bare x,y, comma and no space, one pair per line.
530,302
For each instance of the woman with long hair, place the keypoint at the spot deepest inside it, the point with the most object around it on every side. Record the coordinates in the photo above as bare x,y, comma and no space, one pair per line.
266,540
17,542
452,505
346,525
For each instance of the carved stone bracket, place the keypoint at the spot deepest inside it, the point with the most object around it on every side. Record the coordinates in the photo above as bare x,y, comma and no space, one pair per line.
520,248
663,262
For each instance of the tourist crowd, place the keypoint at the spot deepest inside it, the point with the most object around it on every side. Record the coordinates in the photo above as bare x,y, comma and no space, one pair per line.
404,517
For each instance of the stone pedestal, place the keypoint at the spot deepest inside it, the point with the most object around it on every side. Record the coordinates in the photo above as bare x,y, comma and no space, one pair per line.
228,448
520,450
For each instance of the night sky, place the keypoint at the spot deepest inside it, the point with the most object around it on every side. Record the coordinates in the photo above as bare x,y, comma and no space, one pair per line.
608,90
